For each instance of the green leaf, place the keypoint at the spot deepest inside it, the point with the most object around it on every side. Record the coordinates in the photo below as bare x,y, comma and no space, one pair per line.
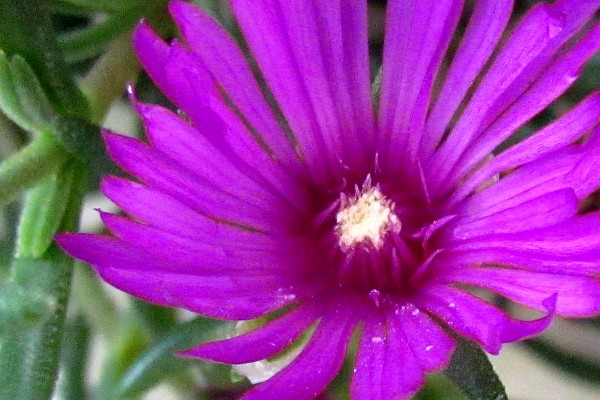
21,96
472,372
33,100
159,362
74,360
22,308
29,361
26,30
41,220
30,165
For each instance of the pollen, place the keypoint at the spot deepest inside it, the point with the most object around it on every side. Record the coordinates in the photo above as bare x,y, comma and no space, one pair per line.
365,219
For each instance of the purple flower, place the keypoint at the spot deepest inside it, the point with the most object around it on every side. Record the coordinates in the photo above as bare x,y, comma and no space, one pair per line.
342,217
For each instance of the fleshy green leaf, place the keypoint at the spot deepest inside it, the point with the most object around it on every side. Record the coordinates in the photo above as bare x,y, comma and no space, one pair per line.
73,360
30,165
21,96
473,373
26,30
40,222
22,308
29,361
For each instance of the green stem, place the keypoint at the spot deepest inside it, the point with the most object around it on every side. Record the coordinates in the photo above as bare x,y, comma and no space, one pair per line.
29,166
107,78
73,360
29,361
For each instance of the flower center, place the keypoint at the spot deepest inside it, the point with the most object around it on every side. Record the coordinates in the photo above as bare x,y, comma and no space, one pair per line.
365,218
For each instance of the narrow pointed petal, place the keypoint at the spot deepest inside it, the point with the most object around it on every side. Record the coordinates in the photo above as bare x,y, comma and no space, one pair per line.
576,296
184,144
159,210
226,63
401,379
333,334
227,298
431,346
234,251
153,54
572,167
259,344
356,67
417,38
532,45
464,313
367,380
543,211
559,134
161,172
553,82
487,23
584,263
569,238
266,31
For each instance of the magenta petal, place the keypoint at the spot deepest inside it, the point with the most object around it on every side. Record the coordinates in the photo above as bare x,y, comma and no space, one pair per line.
395,351
323,355
227,64
559,76
163,173
227,298
400,378
546,210
561,133
265,30
413,52
367,379
158,209
153,54
356,65
530,48
234,251
259,344
464,313
569,238
577,296
97,249
184,144
485,28
431,346
571,167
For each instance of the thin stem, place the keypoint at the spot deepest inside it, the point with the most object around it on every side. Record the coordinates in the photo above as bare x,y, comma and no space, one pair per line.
107,78
29,166
29,361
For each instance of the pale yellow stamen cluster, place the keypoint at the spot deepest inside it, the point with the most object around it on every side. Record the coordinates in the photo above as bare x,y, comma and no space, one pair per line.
365,218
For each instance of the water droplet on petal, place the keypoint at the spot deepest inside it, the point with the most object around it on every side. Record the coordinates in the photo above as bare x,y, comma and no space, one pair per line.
428,348
375,295
377,339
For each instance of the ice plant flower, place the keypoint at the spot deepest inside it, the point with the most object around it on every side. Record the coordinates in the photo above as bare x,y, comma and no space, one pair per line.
348,220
